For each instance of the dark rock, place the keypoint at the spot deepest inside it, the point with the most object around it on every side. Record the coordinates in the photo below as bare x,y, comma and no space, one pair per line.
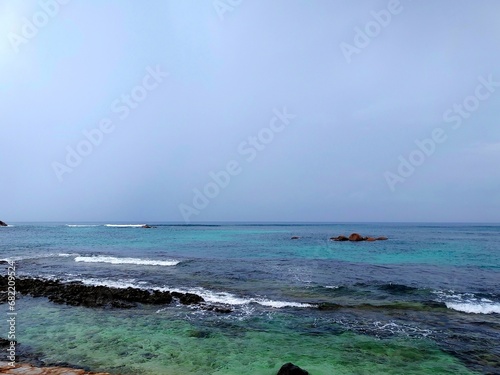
2,224
146,226
356,237
4,343
216,308
188,298
340,238
78,294
291,369
295,237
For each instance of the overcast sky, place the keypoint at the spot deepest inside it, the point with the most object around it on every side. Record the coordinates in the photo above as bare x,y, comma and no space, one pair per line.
313,110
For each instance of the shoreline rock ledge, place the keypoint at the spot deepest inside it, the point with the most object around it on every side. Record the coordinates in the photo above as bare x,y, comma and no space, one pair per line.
78,294
28,369
3,224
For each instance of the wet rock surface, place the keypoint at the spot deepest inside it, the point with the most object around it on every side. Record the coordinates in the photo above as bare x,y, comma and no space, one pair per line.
25,369
79,294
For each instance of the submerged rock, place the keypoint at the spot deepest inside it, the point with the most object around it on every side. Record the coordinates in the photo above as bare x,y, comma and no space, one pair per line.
188,298
295,237
290,369
2,224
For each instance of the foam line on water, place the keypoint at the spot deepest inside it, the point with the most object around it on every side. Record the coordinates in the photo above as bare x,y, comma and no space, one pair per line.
81,225
208,295
136,261
468,303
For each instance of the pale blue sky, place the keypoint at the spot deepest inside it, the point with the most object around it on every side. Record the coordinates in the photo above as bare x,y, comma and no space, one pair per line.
226,76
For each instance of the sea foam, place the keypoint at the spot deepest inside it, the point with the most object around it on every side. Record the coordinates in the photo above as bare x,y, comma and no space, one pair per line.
137,261
208,295
468,303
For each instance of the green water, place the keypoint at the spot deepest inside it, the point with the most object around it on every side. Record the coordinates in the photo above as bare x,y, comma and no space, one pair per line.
179,342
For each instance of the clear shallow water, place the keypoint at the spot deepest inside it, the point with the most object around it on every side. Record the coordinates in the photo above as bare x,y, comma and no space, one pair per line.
378,315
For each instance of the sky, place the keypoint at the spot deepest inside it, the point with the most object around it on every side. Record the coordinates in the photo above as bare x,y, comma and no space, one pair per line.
237,110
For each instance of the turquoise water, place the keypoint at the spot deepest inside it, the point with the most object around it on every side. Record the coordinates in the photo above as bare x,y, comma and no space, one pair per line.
424,302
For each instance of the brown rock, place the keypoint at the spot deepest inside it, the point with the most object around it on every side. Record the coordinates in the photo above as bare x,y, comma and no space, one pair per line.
382,238
371,239
25,369
340,238
356,237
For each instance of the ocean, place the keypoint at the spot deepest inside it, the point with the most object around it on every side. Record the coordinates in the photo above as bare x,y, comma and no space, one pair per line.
426,301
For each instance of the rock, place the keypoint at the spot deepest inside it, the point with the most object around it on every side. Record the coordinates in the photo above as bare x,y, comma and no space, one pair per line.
295,237
27,369
217,308
339,238
146,226
291,369
356,237
78,294
2,224
188,298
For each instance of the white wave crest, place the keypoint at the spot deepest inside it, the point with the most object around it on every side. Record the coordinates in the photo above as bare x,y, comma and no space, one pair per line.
230,299
208,295
137,261
468,303
119,284
38,256
475,307
81,225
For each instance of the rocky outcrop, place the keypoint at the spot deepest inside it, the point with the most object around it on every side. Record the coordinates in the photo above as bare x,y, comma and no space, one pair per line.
291,369
339,238
295,237
78,294
356,237
2,224
146,226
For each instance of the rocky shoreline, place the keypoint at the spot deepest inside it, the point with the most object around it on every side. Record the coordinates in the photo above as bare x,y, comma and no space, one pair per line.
78,294
27,369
